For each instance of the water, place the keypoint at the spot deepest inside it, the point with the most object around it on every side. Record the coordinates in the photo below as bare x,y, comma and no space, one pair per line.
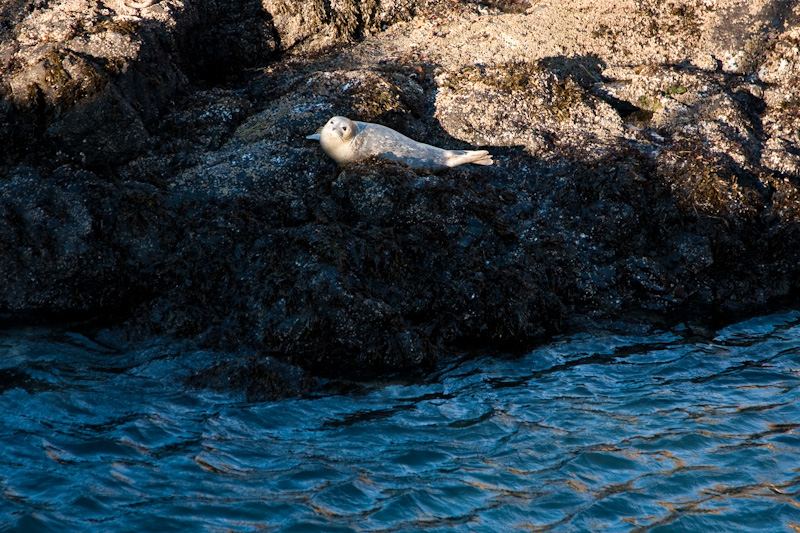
668,431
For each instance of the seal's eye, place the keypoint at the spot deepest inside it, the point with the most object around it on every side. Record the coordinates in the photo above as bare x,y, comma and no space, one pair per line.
344,128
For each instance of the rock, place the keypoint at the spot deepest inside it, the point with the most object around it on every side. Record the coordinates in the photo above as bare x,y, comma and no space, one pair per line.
260,378
780,74
85,83
316,24
74,242
158,167
525,104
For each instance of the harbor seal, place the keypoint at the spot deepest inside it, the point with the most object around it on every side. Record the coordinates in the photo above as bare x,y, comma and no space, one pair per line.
348,141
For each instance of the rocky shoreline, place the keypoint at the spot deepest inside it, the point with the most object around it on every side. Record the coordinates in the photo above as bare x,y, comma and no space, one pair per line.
648,159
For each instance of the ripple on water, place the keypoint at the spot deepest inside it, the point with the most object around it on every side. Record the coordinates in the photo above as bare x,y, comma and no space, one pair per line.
678,430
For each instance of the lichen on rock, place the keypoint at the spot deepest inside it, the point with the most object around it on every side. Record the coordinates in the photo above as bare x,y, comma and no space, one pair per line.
523,104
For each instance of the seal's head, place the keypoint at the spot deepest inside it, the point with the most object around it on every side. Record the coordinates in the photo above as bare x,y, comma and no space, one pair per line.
335,136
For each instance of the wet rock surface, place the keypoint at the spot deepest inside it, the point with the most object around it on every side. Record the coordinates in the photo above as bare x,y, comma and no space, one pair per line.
647,159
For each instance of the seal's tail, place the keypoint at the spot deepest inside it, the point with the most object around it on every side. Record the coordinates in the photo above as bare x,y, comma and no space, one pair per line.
476,157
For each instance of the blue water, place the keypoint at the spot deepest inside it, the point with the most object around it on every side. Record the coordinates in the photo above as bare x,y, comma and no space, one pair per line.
682,430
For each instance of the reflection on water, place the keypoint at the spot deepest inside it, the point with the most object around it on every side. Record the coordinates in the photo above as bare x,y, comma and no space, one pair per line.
669,431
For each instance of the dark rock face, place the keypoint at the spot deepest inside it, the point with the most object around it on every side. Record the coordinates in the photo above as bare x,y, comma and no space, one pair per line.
149,172
259,378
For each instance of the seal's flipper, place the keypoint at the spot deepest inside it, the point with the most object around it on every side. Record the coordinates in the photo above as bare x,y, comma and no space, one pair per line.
476,157
316,135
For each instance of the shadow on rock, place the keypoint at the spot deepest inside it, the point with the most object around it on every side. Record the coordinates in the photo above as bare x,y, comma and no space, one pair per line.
85,84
